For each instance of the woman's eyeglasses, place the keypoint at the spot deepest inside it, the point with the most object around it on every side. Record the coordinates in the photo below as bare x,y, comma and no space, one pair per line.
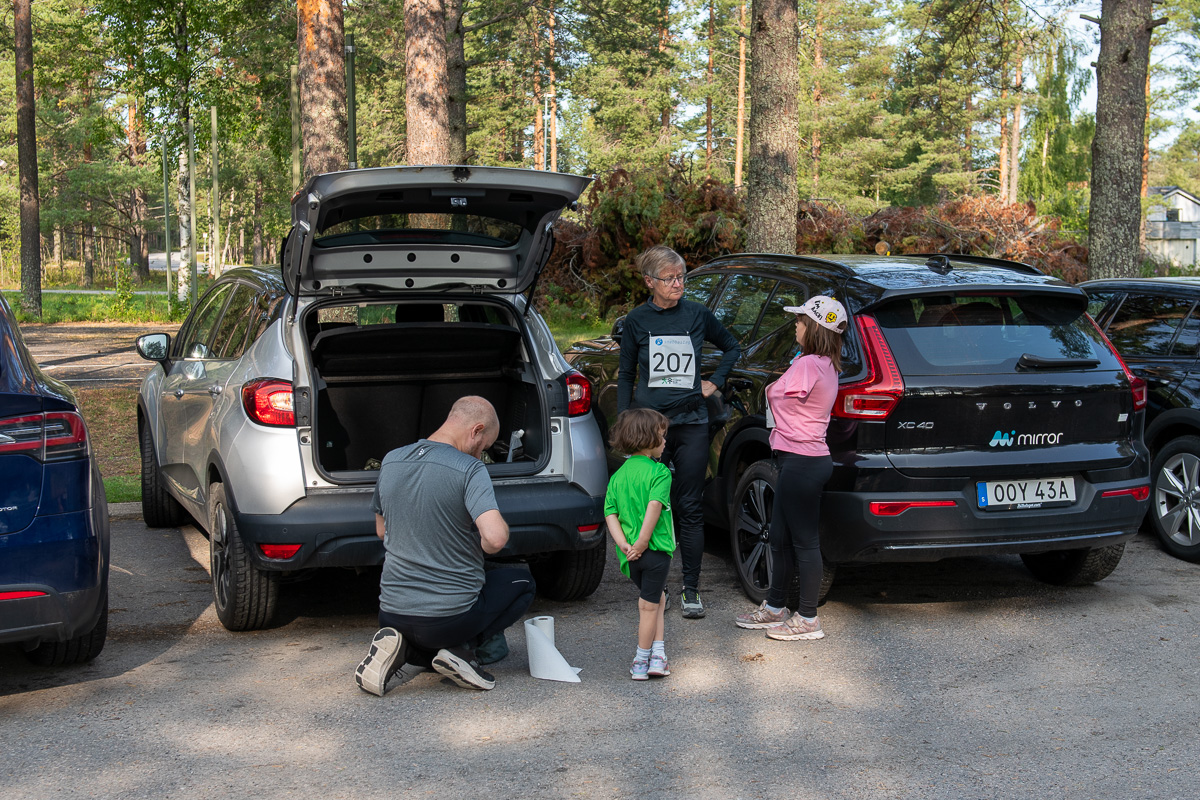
670,279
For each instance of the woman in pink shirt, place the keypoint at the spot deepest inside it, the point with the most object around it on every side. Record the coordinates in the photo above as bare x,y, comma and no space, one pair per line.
800,403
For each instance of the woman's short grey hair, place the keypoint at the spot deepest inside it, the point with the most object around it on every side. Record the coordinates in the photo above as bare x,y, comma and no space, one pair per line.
653,261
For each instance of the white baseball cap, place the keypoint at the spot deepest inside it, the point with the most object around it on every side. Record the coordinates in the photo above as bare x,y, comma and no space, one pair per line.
825,311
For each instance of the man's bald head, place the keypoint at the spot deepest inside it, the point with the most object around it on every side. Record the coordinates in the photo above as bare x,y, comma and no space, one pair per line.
472,410
471,426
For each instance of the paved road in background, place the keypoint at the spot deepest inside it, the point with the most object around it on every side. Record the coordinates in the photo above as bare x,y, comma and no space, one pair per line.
962,679
91,354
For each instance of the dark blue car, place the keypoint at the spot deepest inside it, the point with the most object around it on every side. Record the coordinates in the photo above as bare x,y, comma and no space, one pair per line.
54,533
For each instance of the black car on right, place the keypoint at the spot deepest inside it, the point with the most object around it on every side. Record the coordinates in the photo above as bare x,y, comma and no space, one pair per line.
980,411
1155,325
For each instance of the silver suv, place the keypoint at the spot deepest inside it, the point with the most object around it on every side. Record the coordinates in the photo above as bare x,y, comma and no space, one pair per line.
401,290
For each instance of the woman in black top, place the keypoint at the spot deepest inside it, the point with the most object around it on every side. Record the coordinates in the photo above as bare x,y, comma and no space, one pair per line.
659,369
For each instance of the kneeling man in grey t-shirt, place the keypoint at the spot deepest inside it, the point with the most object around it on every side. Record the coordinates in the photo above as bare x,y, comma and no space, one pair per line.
436,513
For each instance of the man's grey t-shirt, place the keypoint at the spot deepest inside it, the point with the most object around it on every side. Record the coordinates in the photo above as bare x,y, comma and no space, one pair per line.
430,494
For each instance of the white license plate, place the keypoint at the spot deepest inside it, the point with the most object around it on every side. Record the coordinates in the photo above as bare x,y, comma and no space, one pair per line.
1009,495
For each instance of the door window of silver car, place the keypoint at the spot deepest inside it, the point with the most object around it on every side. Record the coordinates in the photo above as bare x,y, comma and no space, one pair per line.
230,337
1145,326
193,340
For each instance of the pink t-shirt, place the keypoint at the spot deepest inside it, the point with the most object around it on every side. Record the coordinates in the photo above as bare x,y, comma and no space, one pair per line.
801,401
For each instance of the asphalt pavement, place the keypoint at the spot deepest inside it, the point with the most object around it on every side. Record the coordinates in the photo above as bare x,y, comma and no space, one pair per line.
961,679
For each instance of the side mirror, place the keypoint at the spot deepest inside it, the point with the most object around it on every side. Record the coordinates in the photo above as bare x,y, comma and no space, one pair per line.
154,347
617,329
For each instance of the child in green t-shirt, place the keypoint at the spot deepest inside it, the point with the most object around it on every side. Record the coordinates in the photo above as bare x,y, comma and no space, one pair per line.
637,509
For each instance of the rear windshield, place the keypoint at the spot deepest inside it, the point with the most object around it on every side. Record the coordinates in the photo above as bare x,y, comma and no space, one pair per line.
964,335
452,229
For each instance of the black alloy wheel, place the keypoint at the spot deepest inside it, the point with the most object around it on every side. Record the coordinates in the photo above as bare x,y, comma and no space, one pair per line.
1175,497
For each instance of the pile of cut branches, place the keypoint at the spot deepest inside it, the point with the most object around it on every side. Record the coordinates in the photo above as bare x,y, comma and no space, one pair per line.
625,213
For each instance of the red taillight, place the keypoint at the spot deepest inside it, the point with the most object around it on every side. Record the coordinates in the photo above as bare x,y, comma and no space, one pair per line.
279,551
589,528
1136,384
579,394
875,397
1137,493
269,402
20,595
53,436
892,508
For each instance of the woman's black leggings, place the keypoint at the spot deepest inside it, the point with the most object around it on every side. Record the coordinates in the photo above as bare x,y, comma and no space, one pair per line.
794,539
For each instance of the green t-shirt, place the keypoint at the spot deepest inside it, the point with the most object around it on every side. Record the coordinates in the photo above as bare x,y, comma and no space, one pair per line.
631,488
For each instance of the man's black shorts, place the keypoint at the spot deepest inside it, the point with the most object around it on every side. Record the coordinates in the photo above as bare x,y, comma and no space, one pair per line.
649,573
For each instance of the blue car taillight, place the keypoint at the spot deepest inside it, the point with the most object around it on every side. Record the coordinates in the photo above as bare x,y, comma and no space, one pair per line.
52,436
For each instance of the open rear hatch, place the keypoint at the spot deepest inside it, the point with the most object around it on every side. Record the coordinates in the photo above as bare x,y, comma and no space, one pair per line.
385,374
1004,384
422,228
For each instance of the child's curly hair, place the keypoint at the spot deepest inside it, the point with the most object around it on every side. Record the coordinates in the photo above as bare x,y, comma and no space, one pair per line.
637,429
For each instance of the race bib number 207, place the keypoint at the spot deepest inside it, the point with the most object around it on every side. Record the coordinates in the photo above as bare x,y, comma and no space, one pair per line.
672,362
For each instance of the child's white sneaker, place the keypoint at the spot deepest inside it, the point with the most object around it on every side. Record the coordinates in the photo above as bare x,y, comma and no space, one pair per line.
658,667
640,671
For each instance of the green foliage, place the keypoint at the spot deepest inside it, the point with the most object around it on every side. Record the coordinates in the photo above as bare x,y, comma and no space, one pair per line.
123,488
120,303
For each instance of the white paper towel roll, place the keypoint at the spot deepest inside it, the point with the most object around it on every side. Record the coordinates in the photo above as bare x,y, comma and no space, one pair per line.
545,661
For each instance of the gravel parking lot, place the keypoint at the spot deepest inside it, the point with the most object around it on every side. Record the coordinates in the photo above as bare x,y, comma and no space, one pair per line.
962,679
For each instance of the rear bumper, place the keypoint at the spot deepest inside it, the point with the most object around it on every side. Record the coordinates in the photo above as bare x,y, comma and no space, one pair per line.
851,533
53,617
337,529
64,557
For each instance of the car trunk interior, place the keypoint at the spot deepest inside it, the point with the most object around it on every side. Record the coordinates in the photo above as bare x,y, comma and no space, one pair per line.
392,381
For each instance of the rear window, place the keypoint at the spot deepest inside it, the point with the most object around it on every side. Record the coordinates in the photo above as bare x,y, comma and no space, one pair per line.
433,228
978,335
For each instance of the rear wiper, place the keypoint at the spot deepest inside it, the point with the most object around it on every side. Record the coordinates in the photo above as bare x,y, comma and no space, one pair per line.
1030,361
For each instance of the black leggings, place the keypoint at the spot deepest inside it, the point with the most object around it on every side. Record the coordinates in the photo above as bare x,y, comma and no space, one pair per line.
506,594
687,451
794,538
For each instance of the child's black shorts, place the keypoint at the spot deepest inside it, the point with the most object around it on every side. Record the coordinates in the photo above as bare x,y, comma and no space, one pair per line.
649,573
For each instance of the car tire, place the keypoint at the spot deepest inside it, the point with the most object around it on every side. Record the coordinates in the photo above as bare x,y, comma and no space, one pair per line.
1174,502
82,648
159,508
244,595
1074,567
570,574
749,526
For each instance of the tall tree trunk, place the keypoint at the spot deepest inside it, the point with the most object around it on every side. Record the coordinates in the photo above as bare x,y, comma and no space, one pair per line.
1114,218
818,65
456,99
1003,153
708,100
553,95
1145,160
539,102
664,39
322,45
86,230
741,98
139,249
258,226
428,85
1014,139
58,247
772,200
27,163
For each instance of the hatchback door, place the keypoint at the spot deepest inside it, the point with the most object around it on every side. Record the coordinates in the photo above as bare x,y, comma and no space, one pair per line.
425,228
1004,384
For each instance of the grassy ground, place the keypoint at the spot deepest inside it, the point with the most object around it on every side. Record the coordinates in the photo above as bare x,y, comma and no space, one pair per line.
111,416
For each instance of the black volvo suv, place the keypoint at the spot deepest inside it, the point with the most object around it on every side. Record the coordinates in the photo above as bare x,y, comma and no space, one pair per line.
981,411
